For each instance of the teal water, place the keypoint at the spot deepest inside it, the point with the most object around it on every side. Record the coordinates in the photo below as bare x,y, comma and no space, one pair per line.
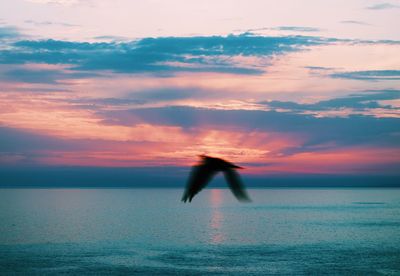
150,232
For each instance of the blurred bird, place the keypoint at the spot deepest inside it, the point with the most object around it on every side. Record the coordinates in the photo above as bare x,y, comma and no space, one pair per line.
202,173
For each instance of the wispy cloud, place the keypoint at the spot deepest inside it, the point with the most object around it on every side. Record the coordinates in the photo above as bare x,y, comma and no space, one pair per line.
48,76
9,32
383,6
50,23
297,29
369,75
355,22
364,100
111,38
146,96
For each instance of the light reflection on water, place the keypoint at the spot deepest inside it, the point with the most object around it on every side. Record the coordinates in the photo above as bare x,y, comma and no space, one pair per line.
217,233
149,231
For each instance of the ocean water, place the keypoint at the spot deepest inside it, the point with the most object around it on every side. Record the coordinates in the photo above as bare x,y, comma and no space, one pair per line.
150,232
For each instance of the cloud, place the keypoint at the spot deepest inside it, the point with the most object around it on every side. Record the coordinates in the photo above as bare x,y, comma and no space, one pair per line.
31,46
383,6
104,102
43,75
369,75
354,22
170,94
165,56
367,99
333,131
160,55
147,96
156,95
13,140
39,89
7,32
318,68
297,29
280,28
196,54
110,38
25,146
50,23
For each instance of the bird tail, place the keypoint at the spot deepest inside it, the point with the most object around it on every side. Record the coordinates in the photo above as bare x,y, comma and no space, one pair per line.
184,197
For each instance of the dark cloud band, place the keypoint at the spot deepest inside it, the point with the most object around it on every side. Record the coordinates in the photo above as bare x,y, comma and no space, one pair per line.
158,55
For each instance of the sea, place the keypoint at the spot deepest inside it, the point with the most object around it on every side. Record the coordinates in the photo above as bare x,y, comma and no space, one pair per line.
285,231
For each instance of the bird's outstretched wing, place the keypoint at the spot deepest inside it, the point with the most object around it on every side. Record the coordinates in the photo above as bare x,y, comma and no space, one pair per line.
199,177
237,188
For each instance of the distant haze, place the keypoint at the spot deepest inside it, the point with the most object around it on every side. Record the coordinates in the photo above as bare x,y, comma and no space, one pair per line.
172,177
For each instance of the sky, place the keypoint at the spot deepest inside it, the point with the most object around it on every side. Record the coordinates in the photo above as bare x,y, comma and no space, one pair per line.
279,87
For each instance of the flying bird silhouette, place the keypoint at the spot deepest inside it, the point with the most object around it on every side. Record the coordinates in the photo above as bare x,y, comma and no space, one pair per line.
203,172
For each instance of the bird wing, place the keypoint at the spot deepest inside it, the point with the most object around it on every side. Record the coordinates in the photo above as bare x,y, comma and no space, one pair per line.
199,177
235,184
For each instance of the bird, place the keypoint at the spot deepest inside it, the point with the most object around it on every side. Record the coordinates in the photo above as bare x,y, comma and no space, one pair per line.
203,172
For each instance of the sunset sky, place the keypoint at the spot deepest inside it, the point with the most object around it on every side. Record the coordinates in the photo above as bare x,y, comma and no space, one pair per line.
280,87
